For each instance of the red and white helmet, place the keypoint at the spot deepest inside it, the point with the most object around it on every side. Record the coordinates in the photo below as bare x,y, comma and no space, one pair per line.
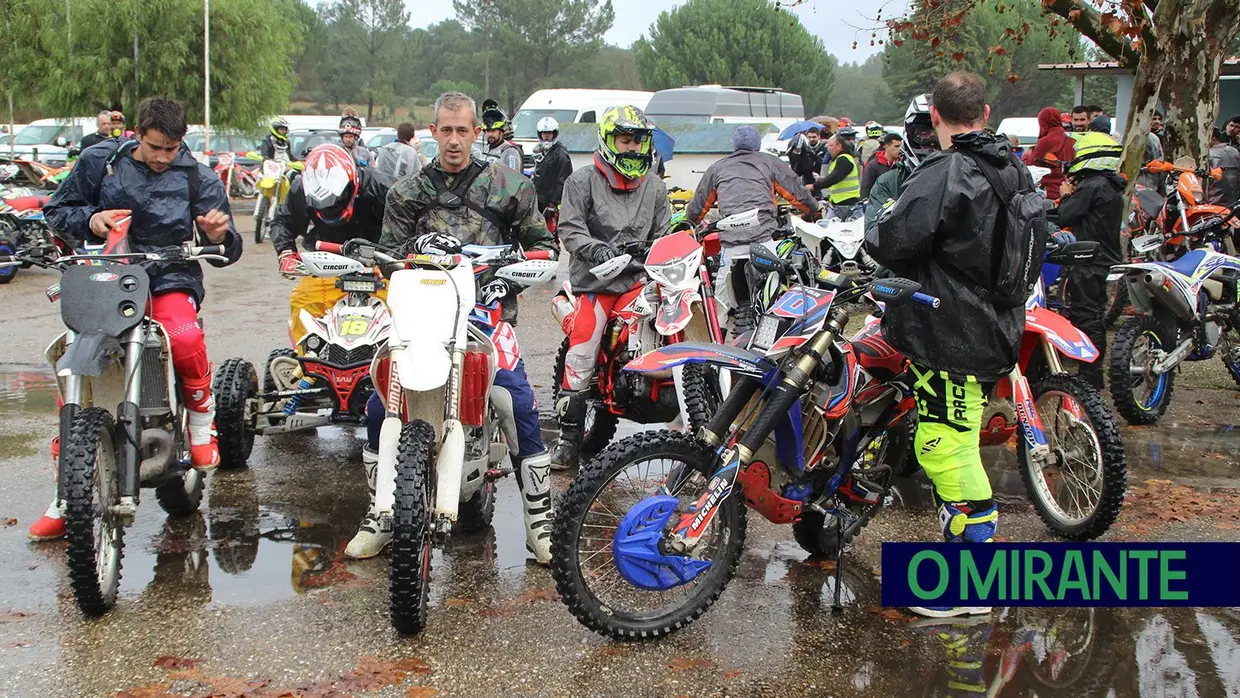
329,181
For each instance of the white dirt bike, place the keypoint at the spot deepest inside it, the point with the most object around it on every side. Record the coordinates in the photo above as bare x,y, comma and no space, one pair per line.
447,425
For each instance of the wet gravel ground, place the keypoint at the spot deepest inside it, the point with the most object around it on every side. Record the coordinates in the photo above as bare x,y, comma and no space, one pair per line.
252,595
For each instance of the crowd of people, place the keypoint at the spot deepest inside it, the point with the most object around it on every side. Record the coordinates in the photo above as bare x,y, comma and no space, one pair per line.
925,221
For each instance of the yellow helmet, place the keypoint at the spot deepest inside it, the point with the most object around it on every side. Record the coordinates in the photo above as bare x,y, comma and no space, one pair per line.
631,121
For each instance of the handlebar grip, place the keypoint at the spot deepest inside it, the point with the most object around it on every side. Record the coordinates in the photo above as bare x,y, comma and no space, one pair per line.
209,250
925,299
540,254
324,246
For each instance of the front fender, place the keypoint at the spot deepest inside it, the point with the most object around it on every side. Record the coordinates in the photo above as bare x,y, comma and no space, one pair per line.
732,358
1062,334
422,366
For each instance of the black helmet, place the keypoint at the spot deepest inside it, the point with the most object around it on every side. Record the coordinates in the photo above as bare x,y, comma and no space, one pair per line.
492,116
919,137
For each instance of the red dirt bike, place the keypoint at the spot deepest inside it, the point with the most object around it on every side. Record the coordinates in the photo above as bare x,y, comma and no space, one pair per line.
676,304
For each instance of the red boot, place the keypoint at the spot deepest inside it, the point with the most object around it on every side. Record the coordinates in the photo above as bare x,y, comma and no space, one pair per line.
49,526
204,448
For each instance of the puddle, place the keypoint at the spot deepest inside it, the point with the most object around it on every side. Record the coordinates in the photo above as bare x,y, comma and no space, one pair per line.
26,389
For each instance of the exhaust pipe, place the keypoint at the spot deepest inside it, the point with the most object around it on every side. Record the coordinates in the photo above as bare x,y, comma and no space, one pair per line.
162,448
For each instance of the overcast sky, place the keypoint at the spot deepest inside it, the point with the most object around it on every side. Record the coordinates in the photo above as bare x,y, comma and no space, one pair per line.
826,19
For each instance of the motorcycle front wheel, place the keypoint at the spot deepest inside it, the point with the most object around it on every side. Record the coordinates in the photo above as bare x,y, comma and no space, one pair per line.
91,485
260,216
1079,495
583,558
411,528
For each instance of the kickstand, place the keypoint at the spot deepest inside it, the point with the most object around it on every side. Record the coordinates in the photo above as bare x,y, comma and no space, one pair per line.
836,606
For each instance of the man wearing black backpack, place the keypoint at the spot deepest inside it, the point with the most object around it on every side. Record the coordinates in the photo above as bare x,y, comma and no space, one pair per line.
965,228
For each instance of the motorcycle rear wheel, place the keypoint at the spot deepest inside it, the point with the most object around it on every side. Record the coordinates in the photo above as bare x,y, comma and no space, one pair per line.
91,484
595,483
1099,442
411,528
1134,341
7,274
599,425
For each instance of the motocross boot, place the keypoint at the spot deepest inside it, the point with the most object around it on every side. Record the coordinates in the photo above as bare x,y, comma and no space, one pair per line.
375,531
535,484
963,522
204,447
571,410
49,526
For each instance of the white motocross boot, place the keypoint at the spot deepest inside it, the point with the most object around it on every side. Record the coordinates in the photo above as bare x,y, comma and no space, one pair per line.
536,505
375,531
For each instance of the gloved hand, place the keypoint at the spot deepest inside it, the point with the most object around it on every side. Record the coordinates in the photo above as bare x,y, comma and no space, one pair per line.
600,252
1063,237
289,262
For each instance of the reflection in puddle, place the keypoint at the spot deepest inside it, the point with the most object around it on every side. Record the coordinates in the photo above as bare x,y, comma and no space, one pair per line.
26,389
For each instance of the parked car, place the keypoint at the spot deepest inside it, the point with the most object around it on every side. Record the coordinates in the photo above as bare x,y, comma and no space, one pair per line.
226,142
378,136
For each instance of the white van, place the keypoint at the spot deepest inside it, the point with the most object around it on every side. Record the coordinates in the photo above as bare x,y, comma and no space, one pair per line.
1025,128
719,104
51,138
567,106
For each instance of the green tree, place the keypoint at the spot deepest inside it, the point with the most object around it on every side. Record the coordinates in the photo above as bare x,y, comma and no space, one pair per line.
21,21
534,41
736,42
860,93
380,25
116,58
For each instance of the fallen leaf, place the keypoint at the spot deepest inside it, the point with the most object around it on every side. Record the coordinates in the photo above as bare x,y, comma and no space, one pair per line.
17,643
167,662
153,690
729,675
412,665
421,692
824,563
12,616
684,663
538,595
234,687
456,603
891,614
8,522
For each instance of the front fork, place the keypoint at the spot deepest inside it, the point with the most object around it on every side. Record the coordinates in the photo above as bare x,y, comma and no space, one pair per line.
128,429
1033,432
688,531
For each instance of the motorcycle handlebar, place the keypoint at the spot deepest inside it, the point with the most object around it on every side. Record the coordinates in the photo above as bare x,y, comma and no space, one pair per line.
925,299
540,254
324,246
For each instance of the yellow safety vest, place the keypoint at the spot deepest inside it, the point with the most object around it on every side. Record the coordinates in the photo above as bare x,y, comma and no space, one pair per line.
849,187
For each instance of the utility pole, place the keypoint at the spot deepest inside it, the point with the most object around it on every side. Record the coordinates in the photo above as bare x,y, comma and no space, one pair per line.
206,74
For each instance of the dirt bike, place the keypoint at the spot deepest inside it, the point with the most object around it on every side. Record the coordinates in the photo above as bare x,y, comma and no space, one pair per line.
841,242
329,381
113,353
24,233
1191,311
446,427
1185,209
238,181
798,383
675,304
1072,459
273,187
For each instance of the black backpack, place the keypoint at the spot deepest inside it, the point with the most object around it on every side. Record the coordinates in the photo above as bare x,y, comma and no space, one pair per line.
1020,237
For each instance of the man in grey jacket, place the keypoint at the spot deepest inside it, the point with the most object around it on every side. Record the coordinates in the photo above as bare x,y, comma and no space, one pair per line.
747,179
1226,191
604,207
399,158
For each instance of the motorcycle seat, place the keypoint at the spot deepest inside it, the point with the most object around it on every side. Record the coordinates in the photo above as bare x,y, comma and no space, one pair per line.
1187,265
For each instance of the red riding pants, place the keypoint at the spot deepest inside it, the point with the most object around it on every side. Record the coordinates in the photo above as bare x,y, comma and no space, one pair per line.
178,313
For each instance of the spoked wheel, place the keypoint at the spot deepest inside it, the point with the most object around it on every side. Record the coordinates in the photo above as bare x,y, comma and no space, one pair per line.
411,528
260,218
7,248
609,501
1230,352
182,496
599,425
1071,653
1080,492
1140,395
91,488
702,394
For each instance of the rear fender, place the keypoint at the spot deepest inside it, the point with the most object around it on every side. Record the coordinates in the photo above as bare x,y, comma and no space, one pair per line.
1062,334
731,358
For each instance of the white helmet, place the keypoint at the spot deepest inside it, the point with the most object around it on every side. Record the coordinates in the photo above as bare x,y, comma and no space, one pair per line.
548,124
